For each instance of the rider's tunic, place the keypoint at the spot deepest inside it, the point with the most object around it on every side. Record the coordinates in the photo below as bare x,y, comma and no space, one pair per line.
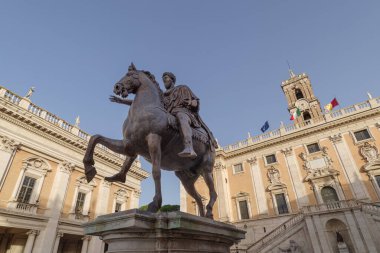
178,99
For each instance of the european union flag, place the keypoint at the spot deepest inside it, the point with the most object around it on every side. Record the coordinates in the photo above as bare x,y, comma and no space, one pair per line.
265,126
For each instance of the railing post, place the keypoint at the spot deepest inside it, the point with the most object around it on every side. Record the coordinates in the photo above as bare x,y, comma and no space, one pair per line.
2,92
24,103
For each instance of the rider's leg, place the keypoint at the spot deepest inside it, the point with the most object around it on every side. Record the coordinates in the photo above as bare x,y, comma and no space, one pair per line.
184,122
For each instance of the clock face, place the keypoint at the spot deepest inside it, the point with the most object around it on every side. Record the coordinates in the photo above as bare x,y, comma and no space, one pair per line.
302,104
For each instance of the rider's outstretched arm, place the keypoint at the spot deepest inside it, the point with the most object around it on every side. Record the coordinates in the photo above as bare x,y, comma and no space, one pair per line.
121,100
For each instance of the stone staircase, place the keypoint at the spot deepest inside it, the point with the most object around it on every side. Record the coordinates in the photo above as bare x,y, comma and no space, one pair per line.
293,222
275,233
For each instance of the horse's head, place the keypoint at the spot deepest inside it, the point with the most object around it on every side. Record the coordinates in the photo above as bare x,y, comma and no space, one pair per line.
129,83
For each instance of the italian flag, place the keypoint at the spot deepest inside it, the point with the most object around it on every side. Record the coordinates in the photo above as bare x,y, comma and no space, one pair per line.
295,114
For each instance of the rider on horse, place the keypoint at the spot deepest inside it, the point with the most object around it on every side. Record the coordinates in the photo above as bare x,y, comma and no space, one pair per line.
181,102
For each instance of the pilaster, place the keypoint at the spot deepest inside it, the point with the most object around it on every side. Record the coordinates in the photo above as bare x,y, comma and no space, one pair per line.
296,178
259,188
351,171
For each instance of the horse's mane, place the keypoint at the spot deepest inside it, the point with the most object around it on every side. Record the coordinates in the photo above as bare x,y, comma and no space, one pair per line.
153,79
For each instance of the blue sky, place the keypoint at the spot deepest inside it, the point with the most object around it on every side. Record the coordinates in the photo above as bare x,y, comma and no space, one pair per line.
231,53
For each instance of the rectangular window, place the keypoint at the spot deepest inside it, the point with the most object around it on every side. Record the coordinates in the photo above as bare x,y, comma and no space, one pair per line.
26,190
238,168
243,210
80,202
377,178
362,135
117,207
271,159
312,148
282,207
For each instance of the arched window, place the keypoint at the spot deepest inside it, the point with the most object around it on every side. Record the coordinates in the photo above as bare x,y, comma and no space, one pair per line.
299,94
306,117
329,194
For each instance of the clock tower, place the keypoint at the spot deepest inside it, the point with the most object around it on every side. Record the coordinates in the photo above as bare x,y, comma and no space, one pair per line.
299,94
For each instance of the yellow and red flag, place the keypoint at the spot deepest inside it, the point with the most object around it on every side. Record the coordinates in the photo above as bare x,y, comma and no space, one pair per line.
331,105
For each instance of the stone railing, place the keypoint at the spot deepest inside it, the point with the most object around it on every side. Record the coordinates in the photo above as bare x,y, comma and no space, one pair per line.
331,206
280,230
48,117
26,207
288,129
307,210
371,208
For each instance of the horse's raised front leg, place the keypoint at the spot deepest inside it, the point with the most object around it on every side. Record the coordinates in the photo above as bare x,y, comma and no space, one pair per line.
154,145
118,146
121,176
188,182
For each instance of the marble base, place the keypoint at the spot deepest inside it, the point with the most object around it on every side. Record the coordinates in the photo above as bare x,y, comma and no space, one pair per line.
138,231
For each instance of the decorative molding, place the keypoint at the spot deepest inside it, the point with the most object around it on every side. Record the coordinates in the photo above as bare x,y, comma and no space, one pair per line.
83,181
336,138
37,164
60,234
33,232
106,184
8,144
66,167
121,194
86,238
369,152
252,160
287,151
274,179
219,166
136,193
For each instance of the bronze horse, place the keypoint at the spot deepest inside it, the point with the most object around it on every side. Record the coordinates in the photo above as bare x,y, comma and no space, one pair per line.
146,132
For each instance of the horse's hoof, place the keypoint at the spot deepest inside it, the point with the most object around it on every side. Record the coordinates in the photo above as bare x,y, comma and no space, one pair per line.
153,208
209,215
116,178
89,172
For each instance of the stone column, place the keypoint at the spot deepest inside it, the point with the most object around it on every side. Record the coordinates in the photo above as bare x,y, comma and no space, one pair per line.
313,234
221,187
8,148
295,177
350,170
183,198
56,243
363,226
45,241
355,233
30,242
4,242
95,244
135,199
85,240
321,234
259,189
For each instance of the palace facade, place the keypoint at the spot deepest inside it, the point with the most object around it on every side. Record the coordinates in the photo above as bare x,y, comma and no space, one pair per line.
44,196
313,186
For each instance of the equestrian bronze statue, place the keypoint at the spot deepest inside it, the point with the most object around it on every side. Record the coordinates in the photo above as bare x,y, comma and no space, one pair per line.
164,128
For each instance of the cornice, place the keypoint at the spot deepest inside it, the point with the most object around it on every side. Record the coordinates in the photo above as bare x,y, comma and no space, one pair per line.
24,119
300,133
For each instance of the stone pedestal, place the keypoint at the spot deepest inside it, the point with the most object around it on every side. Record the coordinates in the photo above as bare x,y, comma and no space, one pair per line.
139,231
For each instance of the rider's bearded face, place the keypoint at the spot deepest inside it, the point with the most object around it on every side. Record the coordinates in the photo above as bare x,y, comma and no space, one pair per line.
168,82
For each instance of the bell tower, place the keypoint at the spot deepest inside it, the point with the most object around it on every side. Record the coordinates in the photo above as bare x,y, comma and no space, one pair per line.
299,94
